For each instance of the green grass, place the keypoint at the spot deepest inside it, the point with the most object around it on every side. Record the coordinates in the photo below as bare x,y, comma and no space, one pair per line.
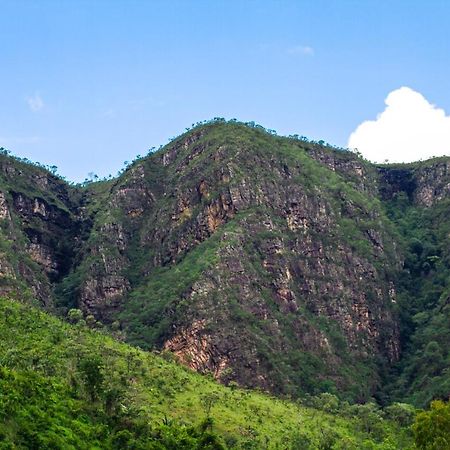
49,400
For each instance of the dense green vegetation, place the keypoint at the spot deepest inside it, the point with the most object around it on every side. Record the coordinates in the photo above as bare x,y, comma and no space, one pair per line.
424,300
72,386
432,428
64,386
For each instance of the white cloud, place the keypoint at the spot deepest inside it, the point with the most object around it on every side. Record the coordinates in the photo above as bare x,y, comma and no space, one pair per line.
35,102
301,50
410,128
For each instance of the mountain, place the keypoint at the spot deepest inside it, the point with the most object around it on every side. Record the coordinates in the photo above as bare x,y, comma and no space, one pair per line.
276,263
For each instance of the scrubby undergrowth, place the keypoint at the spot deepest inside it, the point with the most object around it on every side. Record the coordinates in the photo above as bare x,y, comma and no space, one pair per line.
65,386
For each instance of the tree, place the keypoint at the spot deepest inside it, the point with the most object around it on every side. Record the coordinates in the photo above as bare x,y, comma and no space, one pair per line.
432,428
92,374
326,402
402,413
74,316
370,417
208,401
92,177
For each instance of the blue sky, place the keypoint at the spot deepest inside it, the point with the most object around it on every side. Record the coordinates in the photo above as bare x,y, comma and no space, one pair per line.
87,85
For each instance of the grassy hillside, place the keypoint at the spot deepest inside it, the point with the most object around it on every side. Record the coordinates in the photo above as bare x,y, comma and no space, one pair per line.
64,386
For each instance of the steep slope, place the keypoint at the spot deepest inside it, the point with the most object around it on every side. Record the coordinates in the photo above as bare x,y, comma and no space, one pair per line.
40,229
418,202
263,260
272,262
68,387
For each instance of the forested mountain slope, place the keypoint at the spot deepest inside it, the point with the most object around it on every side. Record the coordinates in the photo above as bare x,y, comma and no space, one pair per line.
271,262
418,203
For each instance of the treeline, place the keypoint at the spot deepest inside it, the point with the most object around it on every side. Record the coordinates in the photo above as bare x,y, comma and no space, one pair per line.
92,177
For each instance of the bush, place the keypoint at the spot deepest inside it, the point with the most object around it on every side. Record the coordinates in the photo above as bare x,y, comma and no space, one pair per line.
432,428
401,413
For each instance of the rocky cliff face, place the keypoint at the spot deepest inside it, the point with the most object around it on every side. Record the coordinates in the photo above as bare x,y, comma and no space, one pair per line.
425,183
285,270
40,229
262,260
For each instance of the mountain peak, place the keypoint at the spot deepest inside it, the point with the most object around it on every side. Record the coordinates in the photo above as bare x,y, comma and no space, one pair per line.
270,261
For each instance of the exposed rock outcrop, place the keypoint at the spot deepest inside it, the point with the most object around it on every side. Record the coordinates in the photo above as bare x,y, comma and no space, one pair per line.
262,260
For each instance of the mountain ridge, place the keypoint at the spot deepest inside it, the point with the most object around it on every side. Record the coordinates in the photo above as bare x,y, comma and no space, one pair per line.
264,260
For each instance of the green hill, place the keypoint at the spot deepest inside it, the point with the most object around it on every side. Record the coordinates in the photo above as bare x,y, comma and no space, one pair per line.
262,262
64,386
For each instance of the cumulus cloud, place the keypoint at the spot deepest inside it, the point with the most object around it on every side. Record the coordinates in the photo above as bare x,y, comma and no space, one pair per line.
410,128
35,102
304,50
